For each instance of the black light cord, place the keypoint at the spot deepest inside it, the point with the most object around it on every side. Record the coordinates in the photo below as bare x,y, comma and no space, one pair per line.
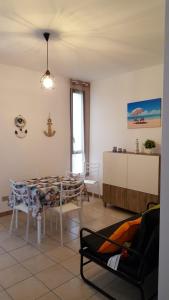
47,55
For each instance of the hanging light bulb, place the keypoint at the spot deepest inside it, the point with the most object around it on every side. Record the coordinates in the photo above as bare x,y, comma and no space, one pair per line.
47,80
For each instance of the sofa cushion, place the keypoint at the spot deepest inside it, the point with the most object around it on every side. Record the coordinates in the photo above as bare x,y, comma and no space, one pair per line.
93,243
124,233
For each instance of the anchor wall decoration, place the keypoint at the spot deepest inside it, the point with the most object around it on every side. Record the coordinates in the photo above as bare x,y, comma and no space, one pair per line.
49,132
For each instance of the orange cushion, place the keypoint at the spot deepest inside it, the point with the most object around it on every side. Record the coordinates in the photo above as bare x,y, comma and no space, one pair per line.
124,233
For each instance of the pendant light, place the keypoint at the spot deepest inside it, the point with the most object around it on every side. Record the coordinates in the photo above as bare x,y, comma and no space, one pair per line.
47,80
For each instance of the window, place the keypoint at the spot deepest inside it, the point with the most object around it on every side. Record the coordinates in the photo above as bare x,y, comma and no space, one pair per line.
77,132
80,124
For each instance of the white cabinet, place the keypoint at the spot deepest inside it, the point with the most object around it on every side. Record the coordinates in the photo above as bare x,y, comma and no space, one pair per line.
115,169
130,180
143,173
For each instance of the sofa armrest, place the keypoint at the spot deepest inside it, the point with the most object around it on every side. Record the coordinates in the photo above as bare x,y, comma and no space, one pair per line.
108,240
149,204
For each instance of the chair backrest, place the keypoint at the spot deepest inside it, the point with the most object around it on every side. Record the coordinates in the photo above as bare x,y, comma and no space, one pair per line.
91,170
71,190
76,176
19,193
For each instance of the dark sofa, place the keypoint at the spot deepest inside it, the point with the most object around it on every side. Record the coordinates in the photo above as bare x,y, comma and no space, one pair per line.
142,255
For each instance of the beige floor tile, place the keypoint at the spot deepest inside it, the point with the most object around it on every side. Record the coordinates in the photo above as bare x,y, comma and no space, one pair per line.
67,236
70,223
47,244
29,289
12,243
60,253
120,213
38,263
49,296
54,276
99,276
74,289
72,264
87,218
122,290
74,245
6,261
13,275
4,235
2,227
98,296
5,220
24,253
4,296
20,231
2,251
75,230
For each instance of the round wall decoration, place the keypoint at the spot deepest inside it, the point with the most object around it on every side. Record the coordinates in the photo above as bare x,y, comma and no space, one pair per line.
20,123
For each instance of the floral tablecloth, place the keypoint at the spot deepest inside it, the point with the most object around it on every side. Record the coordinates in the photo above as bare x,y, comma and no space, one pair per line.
43,191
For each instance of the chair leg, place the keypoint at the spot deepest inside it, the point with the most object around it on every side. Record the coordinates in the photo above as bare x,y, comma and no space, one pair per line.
108,296
27,228
44,222
39,228
86,192
142,293
51,220
16,219
99,189
12,221
56,225
61,230
80,218
64,220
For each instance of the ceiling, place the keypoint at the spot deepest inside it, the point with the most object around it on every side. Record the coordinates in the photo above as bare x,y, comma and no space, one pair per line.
90,39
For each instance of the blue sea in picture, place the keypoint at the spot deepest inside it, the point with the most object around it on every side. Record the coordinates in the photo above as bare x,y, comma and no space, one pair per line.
145,113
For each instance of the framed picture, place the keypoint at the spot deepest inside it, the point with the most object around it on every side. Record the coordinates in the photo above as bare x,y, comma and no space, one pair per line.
144,114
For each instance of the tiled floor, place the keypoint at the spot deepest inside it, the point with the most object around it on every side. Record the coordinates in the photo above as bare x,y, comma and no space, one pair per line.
50,272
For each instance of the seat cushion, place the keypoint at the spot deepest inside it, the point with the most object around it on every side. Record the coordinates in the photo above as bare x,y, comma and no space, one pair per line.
22,207
90,181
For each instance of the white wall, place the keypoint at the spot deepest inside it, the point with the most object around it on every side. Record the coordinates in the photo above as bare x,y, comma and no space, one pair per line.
109,98
36,154
164,197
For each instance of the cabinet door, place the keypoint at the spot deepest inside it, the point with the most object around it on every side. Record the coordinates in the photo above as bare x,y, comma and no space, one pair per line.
143,173
114,195
118,196
137,201
107,197
115,169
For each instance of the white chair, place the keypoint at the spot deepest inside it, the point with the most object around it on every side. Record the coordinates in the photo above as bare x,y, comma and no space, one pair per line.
79,176
70,200
91,177
20,200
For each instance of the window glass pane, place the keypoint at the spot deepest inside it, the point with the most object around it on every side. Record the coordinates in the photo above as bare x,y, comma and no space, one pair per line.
77,163
78,135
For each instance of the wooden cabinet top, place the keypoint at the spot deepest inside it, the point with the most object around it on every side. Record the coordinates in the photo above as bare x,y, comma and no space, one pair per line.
140,153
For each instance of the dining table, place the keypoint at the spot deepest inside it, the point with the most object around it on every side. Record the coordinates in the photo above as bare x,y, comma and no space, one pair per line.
44,193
